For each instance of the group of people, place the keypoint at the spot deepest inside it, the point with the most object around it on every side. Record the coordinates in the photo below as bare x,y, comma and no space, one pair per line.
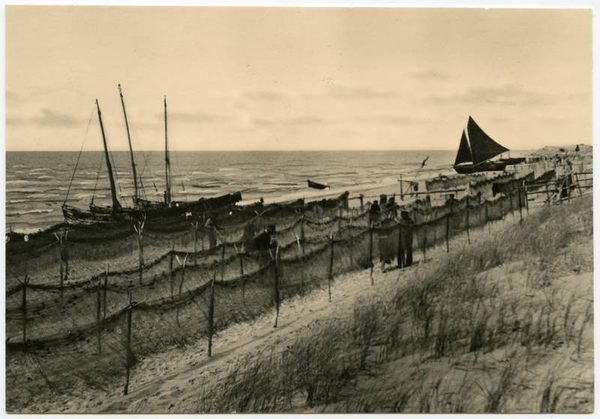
384,213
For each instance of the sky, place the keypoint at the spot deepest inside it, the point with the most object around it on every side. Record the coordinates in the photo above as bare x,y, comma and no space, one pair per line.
296,78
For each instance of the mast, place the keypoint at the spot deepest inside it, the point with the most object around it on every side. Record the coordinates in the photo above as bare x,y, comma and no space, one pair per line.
167,162
135,178
113,190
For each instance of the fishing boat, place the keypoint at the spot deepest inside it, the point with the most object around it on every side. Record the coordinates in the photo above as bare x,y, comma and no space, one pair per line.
476,151
142,207
316,185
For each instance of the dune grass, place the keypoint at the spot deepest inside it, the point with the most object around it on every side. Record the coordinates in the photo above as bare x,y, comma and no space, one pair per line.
450,308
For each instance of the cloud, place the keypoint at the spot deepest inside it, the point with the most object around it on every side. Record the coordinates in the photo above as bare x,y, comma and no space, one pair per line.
45,118
398,119
261,122
196,117
359,92
50,118
429,75
506,95
264,95
304,120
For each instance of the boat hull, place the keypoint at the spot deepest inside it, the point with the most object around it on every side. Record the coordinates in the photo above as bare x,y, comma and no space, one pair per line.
153,210
483,167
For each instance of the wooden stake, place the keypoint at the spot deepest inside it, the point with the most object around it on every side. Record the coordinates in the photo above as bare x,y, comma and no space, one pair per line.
468,216
425,247
520,205
223,260
99,315
330,275
448,232
24,307
371,250
362,204
276,283
302,237
400,253
129,354
105,292
211,313
195,227
171,275
182,264
140,231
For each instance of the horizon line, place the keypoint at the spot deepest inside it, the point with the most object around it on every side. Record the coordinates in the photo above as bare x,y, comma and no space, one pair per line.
283,150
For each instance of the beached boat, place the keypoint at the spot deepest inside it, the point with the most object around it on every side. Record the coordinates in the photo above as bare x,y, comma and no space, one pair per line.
316,185
142,208
476,151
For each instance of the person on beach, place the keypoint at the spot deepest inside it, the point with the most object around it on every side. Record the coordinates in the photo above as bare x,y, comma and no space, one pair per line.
263,241
211,232
452,202
392,208
407,227
385,236
374,212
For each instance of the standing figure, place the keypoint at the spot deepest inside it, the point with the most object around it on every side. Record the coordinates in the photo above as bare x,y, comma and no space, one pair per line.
374,212
211,232
407,226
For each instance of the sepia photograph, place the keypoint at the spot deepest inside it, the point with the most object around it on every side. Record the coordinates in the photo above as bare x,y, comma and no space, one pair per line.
298,210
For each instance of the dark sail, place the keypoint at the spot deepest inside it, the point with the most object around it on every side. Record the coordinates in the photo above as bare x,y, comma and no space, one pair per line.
464,152
482,146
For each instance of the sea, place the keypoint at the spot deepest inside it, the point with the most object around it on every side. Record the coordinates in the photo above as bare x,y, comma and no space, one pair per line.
38,183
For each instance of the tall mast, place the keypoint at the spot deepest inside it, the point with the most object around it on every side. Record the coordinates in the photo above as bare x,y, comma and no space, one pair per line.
167,162
135,178
113,190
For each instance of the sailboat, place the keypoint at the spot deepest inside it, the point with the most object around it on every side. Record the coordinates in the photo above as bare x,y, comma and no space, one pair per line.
142,208
98,214
476,151
168,205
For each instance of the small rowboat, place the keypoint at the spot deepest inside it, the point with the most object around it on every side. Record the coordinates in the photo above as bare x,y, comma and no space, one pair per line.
316,185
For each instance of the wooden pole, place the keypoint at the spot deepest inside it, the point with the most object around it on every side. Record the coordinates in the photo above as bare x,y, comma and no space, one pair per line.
487,217
211,313
520,205
61,269
526,199
467,219
223,244
140,230
171,275
330,275
195,226
400,253
401,189
302,237
276,283
547,194
362,204
448,232
105,292
425,245
24,307
182,264
99,315
241,256
129,355
371,250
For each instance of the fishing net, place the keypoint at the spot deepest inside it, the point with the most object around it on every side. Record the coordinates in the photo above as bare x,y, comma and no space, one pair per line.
77,333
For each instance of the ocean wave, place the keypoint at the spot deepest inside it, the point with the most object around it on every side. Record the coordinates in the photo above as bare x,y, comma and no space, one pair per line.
25,191
37,211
